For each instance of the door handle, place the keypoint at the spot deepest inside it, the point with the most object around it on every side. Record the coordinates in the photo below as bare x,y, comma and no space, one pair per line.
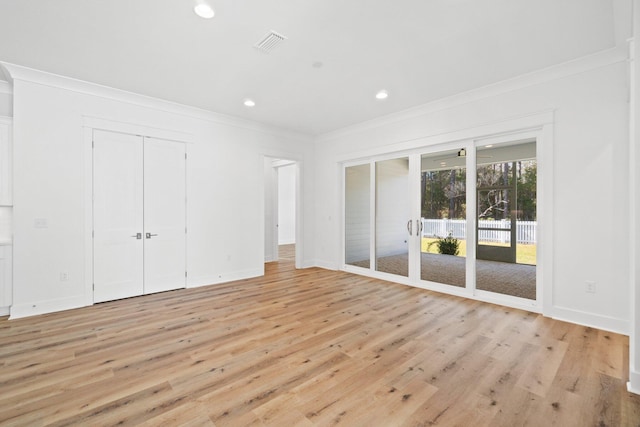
149,235
420,226
410,227
137,236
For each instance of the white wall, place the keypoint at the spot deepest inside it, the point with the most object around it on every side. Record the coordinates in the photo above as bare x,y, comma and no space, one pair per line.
6,105
6,212
225,194
6,98
588,102
287,204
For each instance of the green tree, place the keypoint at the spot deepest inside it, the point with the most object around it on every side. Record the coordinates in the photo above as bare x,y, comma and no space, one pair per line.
527,195
498,204
443,194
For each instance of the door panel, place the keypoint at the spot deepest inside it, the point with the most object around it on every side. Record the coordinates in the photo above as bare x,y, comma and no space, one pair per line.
505,177
357,213
443,202
117,216
394,226
164,215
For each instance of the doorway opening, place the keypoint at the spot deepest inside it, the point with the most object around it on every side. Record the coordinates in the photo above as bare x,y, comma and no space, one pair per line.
281,200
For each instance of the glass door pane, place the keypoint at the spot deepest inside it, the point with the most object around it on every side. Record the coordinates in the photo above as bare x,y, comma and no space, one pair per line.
357,215
393,225
443,198
496,224
506,219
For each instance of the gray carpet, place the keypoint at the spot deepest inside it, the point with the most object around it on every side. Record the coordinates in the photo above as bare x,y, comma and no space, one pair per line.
517,280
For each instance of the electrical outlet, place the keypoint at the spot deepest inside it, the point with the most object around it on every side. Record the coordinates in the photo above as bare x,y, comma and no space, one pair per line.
64,276
590,287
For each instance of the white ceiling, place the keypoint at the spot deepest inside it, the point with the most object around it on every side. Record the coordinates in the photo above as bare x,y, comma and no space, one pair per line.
418,50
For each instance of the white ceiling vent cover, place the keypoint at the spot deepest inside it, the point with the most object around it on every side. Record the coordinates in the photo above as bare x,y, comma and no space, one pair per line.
270,41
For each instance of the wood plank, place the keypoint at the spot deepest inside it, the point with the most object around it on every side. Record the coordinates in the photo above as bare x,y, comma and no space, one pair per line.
309,347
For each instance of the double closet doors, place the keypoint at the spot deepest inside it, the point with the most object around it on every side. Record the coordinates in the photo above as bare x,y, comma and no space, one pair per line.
139,215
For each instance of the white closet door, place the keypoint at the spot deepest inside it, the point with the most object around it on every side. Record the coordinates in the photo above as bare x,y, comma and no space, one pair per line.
164,215
117,216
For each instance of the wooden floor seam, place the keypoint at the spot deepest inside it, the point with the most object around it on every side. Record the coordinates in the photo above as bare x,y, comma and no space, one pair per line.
310,347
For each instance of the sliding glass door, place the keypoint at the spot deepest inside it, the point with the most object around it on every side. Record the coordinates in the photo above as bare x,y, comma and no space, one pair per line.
357,215
443,214
460,219
377,225
393,226
507,219
403,214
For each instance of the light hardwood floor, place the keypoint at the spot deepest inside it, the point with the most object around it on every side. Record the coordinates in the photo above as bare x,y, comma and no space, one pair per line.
310,347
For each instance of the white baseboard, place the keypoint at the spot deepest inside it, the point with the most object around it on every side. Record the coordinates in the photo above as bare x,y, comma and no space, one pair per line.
43,307
308,263
633,386
611,324
197,282
4,311
329,265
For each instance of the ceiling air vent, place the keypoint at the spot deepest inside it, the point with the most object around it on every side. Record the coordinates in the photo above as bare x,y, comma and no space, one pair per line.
270,41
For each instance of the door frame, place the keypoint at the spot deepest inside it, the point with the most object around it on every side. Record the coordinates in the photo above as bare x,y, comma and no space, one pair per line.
271,195
89,124
543,136
287,159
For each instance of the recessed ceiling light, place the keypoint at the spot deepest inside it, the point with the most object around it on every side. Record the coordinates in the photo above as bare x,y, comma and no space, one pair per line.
249,103
203,10
383,94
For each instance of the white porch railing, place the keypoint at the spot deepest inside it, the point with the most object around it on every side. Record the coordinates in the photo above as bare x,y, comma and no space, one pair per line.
525,230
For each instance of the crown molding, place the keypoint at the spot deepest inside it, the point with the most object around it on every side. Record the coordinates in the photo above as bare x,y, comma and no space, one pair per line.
577,66
21,73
